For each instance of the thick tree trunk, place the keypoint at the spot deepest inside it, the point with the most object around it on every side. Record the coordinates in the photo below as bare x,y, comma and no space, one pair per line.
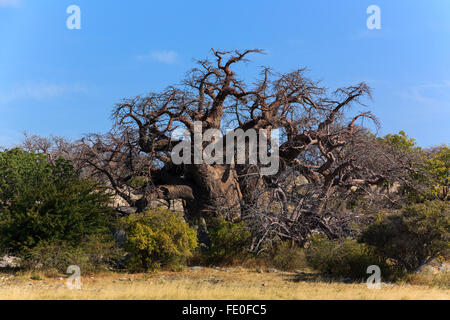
216,192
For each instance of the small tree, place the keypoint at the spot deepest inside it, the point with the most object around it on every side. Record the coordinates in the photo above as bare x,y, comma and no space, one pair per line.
158,238
42,201
228,241
419,234
345,258
438,166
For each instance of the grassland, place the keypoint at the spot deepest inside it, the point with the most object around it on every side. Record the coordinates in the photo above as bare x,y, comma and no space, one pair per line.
229,284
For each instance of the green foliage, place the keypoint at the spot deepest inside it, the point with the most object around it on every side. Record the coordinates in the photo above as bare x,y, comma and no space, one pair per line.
400,141
412,238
344,258
404,146
432,168
138,182
158,238
439,163
438,167
96,253
47,202
228,241
287,257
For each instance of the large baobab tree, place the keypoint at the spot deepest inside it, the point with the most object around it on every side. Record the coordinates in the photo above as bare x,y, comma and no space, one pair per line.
322,151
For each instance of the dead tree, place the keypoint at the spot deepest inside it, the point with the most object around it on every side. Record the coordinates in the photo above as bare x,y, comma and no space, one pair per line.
323,153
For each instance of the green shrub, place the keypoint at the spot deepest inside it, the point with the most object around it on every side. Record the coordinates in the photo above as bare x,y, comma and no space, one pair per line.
42,201
92,255
158,238
228,241
437,166
344,258
414,237
287,257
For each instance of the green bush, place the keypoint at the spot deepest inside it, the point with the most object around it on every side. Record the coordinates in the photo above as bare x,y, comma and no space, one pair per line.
287,257
437,166
228,241
344,258
92,255
46,202
414,237
158,238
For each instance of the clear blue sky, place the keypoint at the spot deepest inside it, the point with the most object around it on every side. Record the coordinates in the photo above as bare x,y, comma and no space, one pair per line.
65,82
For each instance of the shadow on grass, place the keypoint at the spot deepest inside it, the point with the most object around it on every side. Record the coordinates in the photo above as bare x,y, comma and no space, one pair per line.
9,270
316,277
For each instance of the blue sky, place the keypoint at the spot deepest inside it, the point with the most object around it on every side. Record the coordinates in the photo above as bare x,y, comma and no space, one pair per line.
65,82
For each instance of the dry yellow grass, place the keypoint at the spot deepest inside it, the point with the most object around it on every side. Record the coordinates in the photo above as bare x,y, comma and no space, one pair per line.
207,284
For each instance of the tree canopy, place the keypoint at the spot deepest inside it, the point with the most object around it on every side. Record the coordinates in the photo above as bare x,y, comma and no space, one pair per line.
45,201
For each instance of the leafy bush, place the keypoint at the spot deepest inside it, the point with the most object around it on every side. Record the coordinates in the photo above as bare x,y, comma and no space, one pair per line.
437,165
414,237
46,202
228,241
344,258
92,255
158,238
287,257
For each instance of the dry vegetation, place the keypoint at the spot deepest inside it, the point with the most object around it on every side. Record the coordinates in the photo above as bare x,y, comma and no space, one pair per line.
223,284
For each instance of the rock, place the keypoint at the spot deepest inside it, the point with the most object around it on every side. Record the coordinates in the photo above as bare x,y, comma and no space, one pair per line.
272,270
123,279
9,262
196,268
126,210
120,236
428,269
259,270
387,285
434,268
444,267
347,280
